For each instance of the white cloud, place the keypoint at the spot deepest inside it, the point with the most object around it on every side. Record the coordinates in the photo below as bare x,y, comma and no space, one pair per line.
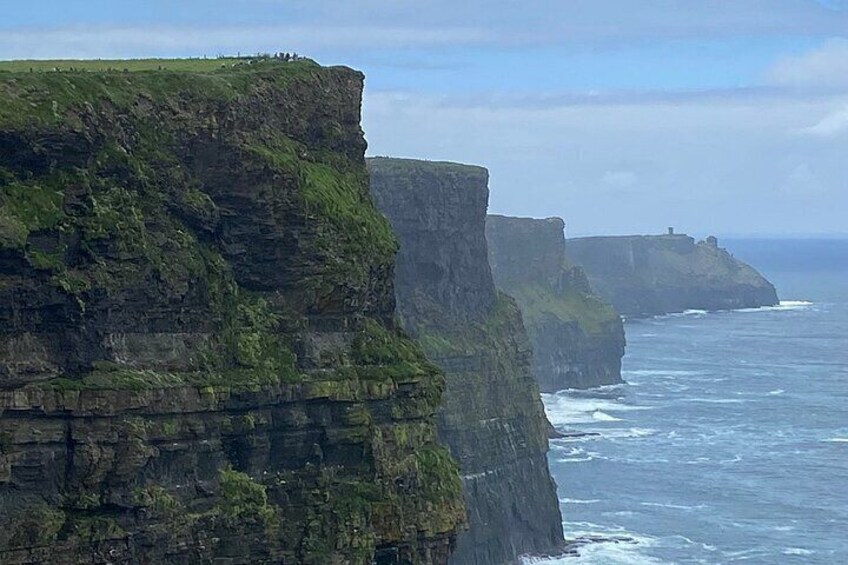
336,25
136,41
802,182
619,179
558,21
720,163
825,66
833,124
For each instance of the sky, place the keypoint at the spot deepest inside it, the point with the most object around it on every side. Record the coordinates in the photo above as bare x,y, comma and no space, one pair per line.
620,116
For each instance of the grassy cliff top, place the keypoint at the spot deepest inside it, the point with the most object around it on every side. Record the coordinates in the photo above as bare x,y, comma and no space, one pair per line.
538,301
636,237
397,166
141,65
522,220
52,91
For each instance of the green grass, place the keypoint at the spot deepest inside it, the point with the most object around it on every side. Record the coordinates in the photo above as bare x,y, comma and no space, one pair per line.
589,312
29,206
130,65
405,167
243,498
53,98
335,188
144,379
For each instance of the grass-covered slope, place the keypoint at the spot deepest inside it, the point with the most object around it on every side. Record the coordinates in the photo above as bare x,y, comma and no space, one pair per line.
196,64
578,339
198,358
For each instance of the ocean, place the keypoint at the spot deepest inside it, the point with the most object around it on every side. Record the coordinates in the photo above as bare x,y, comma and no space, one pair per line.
729,442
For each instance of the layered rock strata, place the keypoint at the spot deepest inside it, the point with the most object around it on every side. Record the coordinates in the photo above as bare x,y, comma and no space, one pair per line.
651,275
578,340
492,418
198,355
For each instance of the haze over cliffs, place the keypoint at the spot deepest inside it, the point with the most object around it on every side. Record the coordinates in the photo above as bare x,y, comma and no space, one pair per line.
648,275
578,340
492,417
198,355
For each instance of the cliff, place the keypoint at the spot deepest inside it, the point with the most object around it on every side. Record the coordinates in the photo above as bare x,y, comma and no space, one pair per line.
198,355
492,417
578,340
650,275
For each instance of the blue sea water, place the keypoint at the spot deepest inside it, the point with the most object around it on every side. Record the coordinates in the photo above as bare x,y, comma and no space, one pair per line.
729,442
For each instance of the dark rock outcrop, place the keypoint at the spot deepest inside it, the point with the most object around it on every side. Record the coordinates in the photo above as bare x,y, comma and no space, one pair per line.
492,418
578,340
198,355
651,275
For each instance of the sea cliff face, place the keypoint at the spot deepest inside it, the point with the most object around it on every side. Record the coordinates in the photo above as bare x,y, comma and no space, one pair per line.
198,355
650,275
578,340
492,418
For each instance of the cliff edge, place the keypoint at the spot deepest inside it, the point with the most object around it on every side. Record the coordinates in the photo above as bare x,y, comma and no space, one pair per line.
578,340
198,355
492,417
651,275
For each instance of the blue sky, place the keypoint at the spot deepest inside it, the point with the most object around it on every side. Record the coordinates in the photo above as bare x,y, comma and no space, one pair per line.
618,115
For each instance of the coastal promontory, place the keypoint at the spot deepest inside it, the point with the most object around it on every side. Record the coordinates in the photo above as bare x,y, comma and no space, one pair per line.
647,275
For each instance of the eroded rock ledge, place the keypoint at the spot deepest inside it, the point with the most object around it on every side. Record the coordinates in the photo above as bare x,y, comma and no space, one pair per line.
492,418
198,353
578,340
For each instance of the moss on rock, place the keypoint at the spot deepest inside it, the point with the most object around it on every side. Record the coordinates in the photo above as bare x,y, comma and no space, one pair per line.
194,266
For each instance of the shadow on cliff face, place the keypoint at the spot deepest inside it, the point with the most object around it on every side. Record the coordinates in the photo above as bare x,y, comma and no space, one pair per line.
491,417
578,340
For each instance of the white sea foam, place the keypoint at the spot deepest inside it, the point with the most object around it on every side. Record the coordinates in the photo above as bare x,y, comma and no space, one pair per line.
559,445
746,554
793,303
575,459
627,433
563,409
782,306
685,313
578,501
674,506
704,546
797,551
776,392
604,552
837,440
785,305
574,455
604,417
608,388
567,449
658,373
715,400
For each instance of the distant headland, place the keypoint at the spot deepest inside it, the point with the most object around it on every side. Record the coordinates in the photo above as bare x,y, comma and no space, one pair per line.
646,275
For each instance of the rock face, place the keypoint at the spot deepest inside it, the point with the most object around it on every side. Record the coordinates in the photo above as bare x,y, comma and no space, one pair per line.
492,418
578,340
650,275
198,355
